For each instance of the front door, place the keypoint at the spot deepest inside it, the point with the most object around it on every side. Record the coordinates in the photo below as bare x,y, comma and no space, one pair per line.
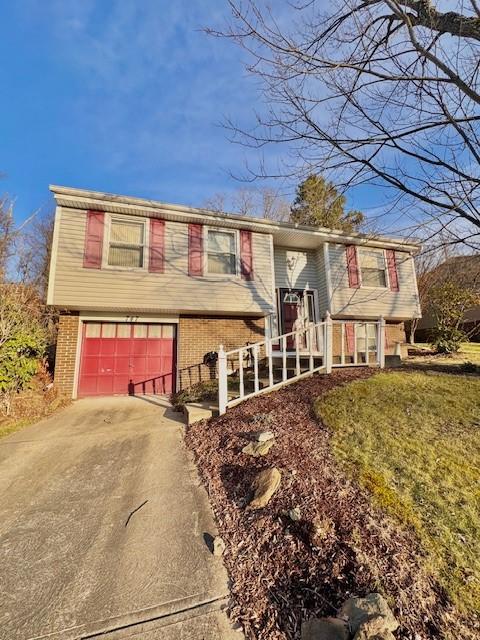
294,302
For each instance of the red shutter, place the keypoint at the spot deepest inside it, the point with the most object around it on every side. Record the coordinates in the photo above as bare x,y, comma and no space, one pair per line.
350,336
246,254
352,266
195,249
157,246
392,270
92,253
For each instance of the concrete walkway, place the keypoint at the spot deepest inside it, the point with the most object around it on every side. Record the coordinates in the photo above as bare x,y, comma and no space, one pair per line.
102,523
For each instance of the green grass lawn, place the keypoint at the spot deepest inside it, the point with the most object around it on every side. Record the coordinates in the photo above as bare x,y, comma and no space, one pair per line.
413,441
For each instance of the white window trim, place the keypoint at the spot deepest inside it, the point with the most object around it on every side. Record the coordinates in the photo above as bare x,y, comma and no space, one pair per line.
236,235
387,279
109,218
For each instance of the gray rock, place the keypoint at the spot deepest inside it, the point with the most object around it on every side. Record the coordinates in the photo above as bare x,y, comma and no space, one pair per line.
218,546
264,486
295,514
356,611
324,629
264,436
257,449
262,419
375,628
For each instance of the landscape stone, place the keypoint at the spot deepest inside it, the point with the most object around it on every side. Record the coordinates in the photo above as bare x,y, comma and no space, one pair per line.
264,436
324,629
374,629
295,514
264,486
218,546
358,610
257,449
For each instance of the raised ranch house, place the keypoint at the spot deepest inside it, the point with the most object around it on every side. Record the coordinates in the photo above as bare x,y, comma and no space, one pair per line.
147,291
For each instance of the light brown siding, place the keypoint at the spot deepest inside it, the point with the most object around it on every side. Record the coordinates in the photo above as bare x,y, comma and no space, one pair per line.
174,290
372,303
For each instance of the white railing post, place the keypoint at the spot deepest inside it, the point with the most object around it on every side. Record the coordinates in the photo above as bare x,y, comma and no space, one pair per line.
328,343
270,364
310,349
240,373
222,380
381,342
284,358
255,368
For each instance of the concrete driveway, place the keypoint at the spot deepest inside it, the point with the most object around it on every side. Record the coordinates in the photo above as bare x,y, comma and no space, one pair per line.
102,523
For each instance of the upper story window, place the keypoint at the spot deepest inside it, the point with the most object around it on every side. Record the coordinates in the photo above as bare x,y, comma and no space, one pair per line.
126,244
373,268
221,252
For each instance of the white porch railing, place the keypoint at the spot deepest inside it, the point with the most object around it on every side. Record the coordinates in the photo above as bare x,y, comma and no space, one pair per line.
274,362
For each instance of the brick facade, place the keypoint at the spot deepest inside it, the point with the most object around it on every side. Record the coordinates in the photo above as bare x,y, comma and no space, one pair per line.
197,335
65,353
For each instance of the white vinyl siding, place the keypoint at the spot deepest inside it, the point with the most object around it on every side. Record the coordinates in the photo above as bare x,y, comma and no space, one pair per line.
295,269
171,291
372,303
323,301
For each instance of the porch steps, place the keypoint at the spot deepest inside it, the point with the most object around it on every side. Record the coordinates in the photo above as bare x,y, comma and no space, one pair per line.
196,411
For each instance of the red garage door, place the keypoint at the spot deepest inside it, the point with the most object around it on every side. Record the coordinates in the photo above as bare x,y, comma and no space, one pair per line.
124,358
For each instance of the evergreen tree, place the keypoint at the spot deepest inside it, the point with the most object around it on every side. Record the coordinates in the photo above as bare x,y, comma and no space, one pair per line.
318,203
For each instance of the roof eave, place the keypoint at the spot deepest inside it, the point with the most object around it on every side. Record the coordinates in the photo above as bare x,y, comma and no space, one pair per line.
83,198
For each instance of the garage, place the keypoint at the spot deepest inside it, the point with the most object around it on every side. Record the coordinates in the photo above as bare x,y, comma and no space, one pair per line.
126,358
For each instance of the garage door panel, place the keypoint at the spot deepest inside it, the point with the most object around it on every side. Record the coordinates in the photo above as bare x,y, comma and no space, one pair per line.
107,364
139,347
122,365
105,385
121,385
167,348
110,364
154,347
92,346
90,365
154,365
89,385
108,346
123,346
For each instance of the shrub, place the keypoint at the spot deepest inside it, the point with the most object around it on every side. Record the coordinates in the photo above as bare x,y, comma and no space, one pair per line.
447,339
22,340
199,392
449,302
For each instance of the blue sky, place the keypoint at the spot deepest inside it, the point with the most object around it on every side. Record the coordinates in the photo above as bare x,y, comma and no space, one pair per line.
124,96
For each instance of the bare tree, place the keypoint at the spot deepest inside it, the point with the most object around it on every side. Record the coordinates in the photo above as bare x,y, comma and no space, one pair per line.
262,202
7,236
34,251
384,92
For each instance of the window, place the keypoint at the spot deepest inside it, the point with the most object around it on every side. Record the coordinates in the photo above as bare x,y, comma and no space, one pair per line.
222,255
373,268
366,337
127,244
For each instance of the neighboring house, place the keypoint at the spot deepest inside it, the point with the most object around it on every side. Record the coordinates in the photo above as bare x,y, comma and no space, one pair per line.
464,271
146,290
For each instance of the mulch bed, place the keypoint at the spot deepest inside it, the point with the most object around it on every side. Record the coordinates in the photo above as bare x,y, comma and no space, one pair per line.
280,574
